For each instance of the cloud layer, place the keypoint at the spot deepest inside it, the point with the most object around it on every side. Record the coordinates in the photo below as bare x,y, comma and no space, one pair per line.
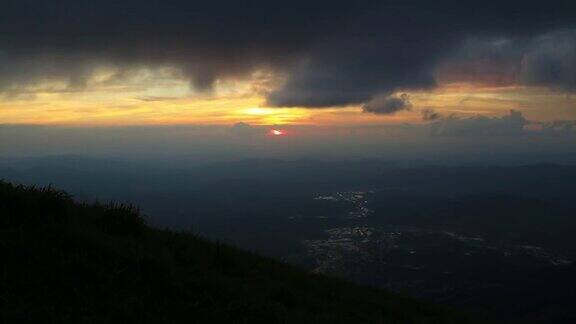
511,124
333,53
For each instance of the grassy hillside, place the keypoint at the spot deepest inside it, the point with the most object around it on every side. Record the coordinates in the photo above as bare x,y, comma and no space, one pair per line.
66,262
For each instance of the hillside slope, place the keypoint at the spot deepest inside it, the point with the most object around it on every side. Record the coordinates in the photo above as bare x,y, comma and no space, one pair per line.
68,262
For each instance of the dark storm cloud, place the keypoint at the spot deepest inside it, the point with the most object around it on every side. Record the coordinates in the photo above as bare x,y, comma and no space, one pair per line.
551,61
65,40
387,105
400,47
547,60
333,53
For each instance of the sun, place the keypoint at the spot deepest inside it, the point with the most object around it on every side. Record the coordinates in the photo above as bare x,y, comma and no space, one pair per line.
277,132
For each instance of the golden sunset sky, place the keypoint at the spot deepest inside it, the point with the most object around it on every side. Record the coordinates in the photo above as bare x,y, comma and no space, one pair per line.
157,97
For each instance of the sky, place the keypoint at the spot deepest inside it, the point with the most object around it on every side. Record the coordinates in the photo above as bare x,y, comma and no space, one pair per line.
442,68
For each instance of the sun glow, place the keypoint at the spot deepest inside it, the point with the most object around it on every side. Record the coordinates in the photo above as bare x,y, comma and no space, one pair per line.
277,132
258,111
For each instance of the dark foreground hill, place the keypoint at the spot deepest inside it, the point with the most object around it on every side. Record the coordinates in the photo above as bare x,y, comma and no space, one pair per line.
66,262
